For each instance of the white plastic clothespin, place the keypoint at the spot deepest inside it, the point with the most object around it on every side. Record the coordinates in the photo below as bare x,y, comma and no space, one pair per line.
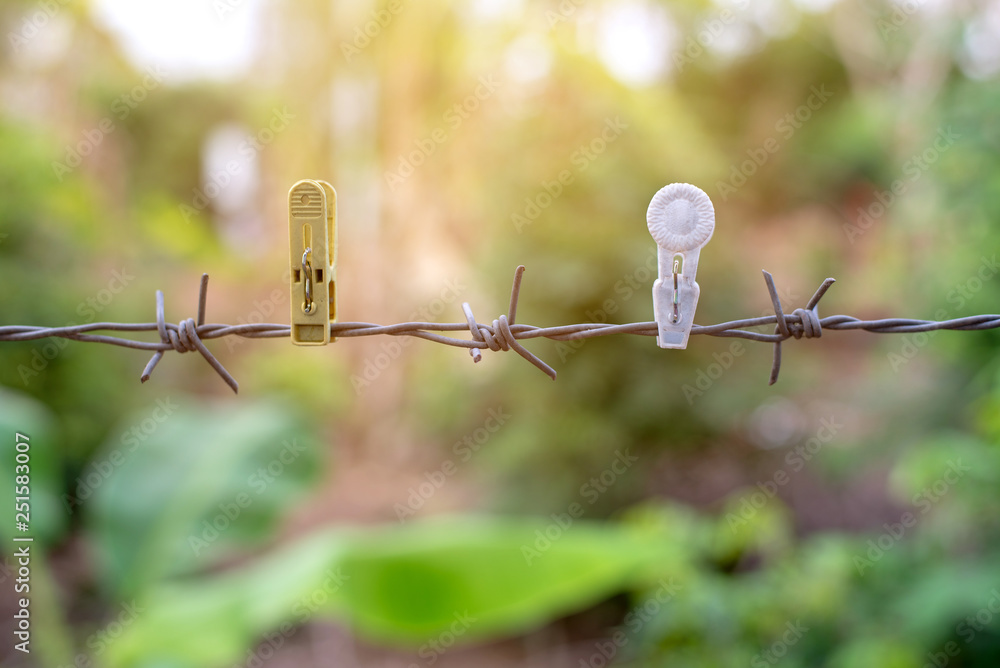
681,219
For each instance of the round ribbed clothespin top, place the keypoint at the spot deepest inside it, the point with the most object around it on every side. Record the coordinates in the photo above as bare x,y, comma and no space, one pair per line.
680,217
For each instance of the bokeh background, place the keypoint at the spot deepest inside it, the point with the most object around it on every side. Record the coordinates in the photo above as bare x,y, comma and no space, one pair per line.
385,502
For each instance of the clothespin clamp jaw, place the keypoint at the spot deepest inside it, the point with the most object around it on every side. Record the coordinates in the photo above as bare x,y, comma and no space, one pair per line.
681,220
312,253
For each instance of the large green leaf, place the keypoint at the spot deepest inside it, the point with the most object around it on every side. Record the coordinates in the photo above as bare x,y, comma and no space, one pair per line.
205,481
401,585
412,583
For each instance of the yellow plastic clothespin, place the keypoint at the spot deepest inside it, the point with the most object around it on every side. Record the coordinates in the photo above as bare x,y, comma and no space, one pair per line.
312,247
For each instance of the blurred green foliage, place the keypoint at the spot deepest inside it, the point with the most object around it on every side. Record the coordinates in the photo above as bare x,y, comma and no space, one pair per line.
801,579
219,477
464,577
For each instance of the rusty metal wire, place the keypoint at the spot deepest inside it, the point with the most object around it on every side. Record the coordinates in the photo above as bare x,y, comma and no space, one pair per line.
502,335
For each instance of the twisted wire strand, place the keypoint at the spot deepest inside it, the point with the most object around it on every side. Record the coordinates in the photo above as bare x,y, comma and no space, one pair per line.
503,334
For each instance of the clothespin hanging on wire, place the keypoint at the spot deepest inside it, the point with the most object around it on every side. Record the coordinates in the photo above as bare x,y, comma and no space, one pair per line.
681,220
312,246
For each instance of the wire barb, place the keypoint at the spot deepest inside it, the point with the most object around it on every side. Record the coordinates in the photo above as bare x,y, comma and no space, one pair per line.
184,337
502,334
806,321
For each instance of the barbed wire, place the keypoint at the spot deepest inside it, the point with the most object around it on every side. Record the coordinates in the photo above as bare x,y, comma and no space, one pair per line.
503,334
